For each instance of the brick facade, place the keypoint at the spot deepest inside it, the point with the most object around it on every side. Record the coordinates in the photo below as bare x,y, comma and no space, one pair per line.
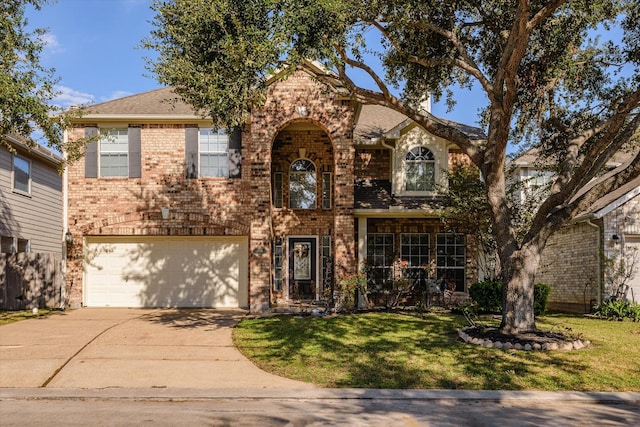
300,99
226,206
570,263
301,118
373,164
574,260
125,206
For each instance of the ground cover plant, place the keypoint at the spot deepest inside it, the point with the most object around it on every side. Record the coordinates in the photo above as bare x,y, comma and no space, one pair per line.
7,316
408,350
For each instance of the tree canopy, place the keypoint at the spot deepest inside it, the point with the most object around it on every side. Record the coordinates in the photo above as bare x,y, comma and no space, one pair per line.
551,75
27,89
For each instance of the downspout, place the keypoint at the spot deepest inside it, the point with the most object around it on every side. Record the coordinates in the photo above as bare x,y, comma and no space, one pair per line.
65,221
600,254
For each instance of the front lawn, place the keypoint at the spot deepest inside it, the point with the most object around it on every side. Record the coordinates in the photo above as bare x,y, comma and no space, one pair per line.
389,350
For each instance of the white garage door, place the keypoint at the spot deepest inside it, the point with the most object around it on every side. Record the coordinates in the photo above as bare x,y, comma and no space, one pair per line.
632,245
165,272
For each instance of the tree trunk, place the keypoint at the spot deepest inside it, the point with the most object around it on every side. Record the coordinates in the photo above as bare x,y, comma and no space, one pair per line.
519,271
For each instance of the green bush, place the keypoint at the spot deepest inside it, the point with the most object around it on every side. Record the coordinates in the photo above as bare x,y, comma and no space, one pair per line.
619,310
540,297
488,297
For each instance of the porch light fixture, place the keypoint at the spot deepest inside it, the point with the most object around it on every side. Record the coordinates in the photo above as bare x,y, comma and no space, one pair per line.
68,238
615,238
302,111
165,213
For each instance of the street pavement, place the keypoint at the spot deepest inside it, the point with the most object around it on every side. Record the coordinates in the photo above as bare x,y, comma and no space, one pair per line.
179,367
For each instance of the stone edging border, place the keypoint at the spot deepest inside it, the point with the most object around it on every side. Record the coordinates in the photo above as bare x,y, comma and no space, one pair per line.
570,345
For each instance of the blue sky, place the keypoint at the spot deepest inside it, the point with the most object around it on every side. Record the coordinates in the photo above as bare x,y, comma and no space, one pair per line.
92,44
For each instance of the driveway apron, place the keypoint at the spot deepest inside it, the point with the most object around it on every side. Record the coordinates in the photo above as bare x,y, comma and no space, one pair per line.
155,348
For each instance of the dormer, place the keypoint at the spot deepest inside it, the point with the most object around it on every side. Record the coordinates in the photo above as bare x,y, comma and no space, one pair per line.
420,162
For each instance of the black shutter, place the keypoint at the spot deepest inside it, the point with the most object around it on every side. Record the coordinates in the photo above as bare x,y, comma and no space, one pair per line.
91,154
235,153
135,155
191,152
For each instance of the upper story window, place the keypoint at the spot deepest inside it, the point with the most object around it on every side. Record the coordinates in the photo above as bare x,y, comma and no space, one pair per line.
213,145
302,185
420,170
114,153
21,174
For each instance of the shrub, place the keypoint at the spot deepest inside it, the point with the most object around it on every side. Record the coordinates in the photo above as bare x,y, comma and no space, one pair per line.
488,297
540,296
619,310
346,292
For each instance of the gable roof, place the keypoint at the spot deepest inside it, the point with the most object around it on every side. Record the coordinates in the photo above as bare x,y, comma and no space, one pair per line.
374,121
158,102
609,201
612,200
30,148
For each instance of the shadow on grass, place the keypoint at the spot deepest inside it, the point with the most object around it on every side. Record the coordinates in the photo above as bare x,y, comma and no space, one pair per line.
387,350
193,318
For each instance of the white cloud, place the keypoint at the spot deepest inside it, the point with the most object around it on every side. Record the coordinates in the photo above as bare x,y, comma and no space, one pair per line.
68,97
51,43
115,95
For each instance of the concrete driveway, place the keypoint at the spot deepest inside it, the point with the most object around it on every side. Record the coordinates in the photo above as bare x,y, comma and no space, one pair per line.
132,348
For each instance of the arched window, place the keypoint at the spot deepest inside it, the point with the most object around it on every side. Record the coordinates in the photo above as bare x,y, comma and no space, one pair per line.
420,170
302,185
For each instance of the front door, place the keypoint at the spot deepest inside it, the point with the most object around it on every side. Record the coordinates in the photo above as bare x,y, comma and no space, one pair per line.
302,268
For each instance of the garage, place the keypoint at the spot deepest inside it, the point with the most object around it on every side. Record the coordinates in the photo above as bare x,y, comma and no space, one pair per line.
140,271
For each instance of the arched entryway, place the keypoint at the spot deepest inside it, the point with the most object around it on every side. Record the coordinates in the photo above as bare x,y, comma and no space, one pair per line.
302,211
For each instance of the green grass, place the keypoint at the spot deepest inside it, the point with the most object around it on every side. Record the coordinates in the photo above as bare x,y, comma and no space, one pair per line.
7,316
388,350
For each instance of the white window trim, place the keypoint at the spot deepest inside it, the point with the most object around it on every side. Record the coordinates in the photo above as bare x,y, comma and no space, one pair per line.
104,134
439,147
224,153
13,175
406,169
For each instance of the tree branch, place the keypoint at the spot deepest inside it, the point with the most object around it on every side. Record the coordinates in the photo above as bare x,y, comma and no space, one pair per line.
546,11
467,63
570,196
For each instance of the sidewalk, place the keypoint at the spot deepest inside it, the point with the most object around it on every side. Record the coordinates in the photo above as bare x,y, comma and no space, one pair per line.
320,407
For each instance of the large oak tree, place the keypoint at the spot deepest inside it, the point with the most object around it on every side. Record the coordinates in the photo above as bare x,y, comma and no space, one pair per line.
547,81
28,89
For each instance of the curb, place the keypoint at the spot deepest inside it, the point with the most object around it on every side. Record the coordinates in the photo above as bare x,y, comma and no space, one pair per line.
178,394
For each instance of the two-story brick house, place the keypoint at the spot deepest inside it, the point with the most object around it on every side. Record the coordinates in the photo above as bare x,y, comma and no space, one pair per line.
166,211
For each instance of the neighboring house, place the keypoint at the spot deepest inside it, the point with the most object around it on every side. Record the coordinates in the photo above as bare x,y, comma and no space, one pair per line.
166,211
30,199
578,259
31,231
